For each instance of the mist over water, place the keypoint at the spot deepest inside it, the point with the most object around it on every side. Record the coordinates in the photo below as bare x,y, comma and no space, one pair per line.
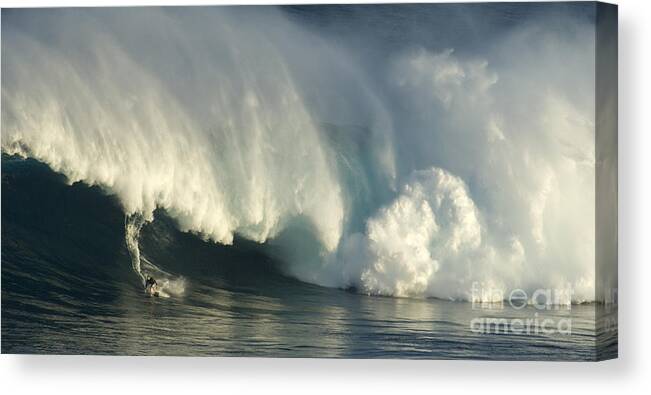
402,170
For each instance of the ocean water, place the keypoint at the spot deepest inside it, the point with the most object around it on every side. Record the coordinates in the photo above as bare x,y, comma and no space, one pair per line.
68,288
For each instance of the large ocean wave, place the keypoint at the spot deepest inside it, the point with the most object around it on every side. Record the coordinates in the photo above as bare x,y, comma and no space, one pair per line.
417,174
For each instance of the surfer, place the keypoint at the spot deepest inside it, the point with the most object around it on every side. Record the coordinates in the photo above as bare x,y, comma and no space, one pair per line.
151,287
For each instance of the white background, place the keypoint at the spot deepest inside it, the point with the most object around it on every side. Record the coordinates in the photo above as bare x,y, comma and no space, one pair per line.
631,372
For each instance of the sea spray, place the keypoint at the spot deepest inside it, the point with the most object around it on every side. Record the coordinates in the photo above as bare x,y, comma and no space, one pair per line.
132,226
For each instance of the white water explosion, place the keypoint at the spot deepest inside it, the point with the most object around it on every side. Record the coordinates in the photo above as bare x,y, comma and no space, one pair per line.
416,178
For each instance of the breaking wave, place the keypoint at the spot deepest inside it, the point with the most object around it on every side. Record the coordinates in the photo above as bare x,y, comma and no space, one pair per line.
415,175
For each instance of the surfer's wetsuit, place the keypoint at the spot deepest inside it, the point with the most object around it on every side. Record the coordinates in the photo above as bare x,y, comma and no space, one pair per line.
150,286
150,281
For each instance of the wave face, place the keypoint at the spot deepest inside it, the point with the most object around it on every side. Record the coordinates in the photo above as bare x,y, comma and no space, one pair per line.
407,167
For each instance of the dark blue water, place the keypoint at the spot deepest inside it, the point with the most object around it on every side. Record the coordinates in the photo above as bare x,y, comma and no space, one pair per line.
68,288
